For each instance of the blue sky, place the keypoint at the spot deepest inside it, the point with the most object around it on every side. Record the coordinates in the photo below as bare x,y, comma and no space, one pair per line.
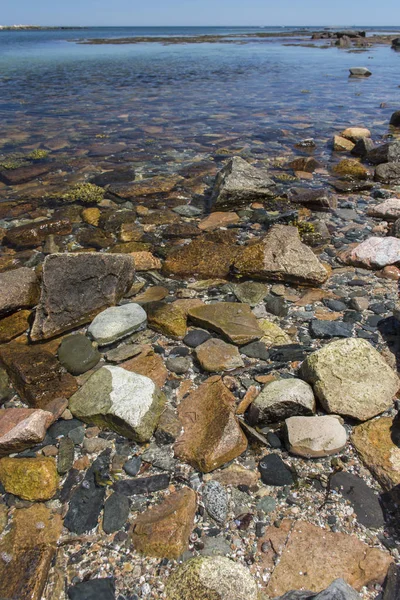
200,12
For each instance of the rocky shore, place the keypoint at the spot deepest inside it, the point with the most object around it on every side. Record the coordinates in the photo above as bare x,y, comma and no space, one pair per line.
199,375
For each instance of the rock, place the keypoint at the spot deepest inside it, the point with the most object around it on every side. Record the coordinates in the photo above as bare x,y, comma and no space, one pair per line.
5,390
116,512
123,353
211,433
132,466
215,501
363,147
76,287
255,350
362,498
267,504
65,456
169,427
395,119
14,325
142,485
152,294
149,364
144,187
306,164
18,289
356,133
307,547
168,319
392,587
159,457
22,428
273,334
196,337
314,199
211,578
88,499
234,321
27,551
179,364
94,589
350,378
36,374
389,209
146,261
315,436
202,259
250,292
33,235
187,210
374,443
26,173
163,531
117,322
330,329
77,354
282,399
341,144
360,72
281,256
386,153
29,478
350,168
128,403
376,252
274,471
388,173
215,356
239,183
218,219
235,475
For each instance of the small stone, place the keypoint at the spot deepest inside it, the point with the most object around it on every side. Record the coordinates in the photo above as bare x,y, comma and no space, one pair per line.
274,471
266,505
95,445
236,475
273,334
132,466
117,322
235,321
363,498
149,364
14,325
179,364
250,292
215,501
341,144
94,589
146,261
315,436
360,72
169,427
159,457
196,337
142,485
255,350
351,168
376,252
152,294
116,512
65,457
122,353
218,219
77,354
29,478
215,356
330,329
282,399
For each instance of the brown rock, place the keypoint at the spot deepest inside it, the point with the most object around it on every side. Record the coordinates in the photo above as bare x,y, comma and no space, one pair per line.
76,287
281,256
29,478
218,219
14,325
146,261
201,259
144,187
306,164
163,531
214,356
152,294
25,174
211,433
18,289
356,133
373,441
33,235
36,374
181,230
233,320
148,363
21,428
91,215
313,557
166,318
341,144
235,475
169,426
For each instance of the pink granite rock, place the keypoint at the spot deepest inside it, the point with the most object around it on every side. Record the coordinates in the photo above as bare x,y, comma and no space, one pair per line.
376,252
21,428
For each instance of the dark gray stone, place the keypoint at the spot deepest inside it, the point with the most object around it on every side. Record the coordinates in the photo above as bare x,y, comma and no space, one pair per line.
178,364
65,456
132,466
388,173
338,590
386,153
315,199
392,588
276,306
116,512
255,350
77,354
95,589
363,499
330,329
274,471
63,428
142,485
362,147
395,118
196,337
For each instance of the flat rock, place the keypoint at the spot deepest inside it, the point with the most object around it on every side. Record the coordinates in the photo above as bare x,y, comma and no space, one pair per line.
216,355
360,72
273,335
389,209
376,252
308,547
14,325
330,329
76,287
274,471
255,350
113,398
218,219
117,322
281,256
94,589
386,153
142,485
29,478
34,234
284,398
149,364
350,378
116,512
21,428
341,144
202,259
163,531
314,199
211,433
152,294
77,354
167,318
315,436
374,443
211,578
234,321
250,292
356,133
18,289
146,261
239,183
362,498
144,187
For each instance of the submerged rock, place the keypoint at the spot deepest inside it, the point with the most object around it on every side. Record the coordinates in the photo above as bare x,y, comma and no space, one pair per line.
18,289
202,258
360,72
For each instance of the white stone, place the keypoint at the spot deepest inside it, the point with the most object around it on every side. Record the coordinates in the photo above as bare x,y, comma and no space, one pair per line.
117,322
315,436
390,209
376,252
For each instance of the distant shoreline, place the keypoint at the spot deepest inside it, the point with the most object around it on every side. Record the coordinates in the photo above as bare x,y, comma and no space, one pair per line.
36,28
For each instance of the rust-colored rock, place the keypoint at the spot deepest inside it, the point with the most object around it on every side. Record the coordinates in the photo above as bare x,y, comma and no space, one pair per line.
148,363
215,356
211,433
33,235
166,318
18,289
146,261
14,325
21,428
163,531
218,219
233,320
144,187
202,259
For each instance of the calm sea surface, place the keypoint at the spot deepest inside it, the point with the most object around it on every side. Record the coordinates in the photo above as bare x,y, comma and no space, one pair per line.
177,101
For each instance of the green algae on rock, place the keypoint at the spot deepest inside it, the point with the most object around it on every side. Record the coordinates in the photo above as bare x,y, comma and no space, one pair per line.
87,193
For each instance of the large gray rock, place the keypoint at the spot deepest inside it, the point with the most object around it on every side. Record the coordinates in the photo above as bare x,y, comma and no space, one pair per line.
388,173
239,183
338,590
350,378
386,153
315,436
18,289
117,322
76,287
281,255
282,399
116,399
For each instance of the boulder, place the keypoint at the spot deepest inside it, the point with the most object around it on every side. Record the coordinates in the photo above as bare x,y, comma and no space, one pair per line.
21,428
282,399
239,183
350,168
350,378
211,434
363,147
375,252
18,289
387,153
117,322
315,436
281,256
234,321
215,356
76,287
113,398
163,531
211,578
29,478
388,173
